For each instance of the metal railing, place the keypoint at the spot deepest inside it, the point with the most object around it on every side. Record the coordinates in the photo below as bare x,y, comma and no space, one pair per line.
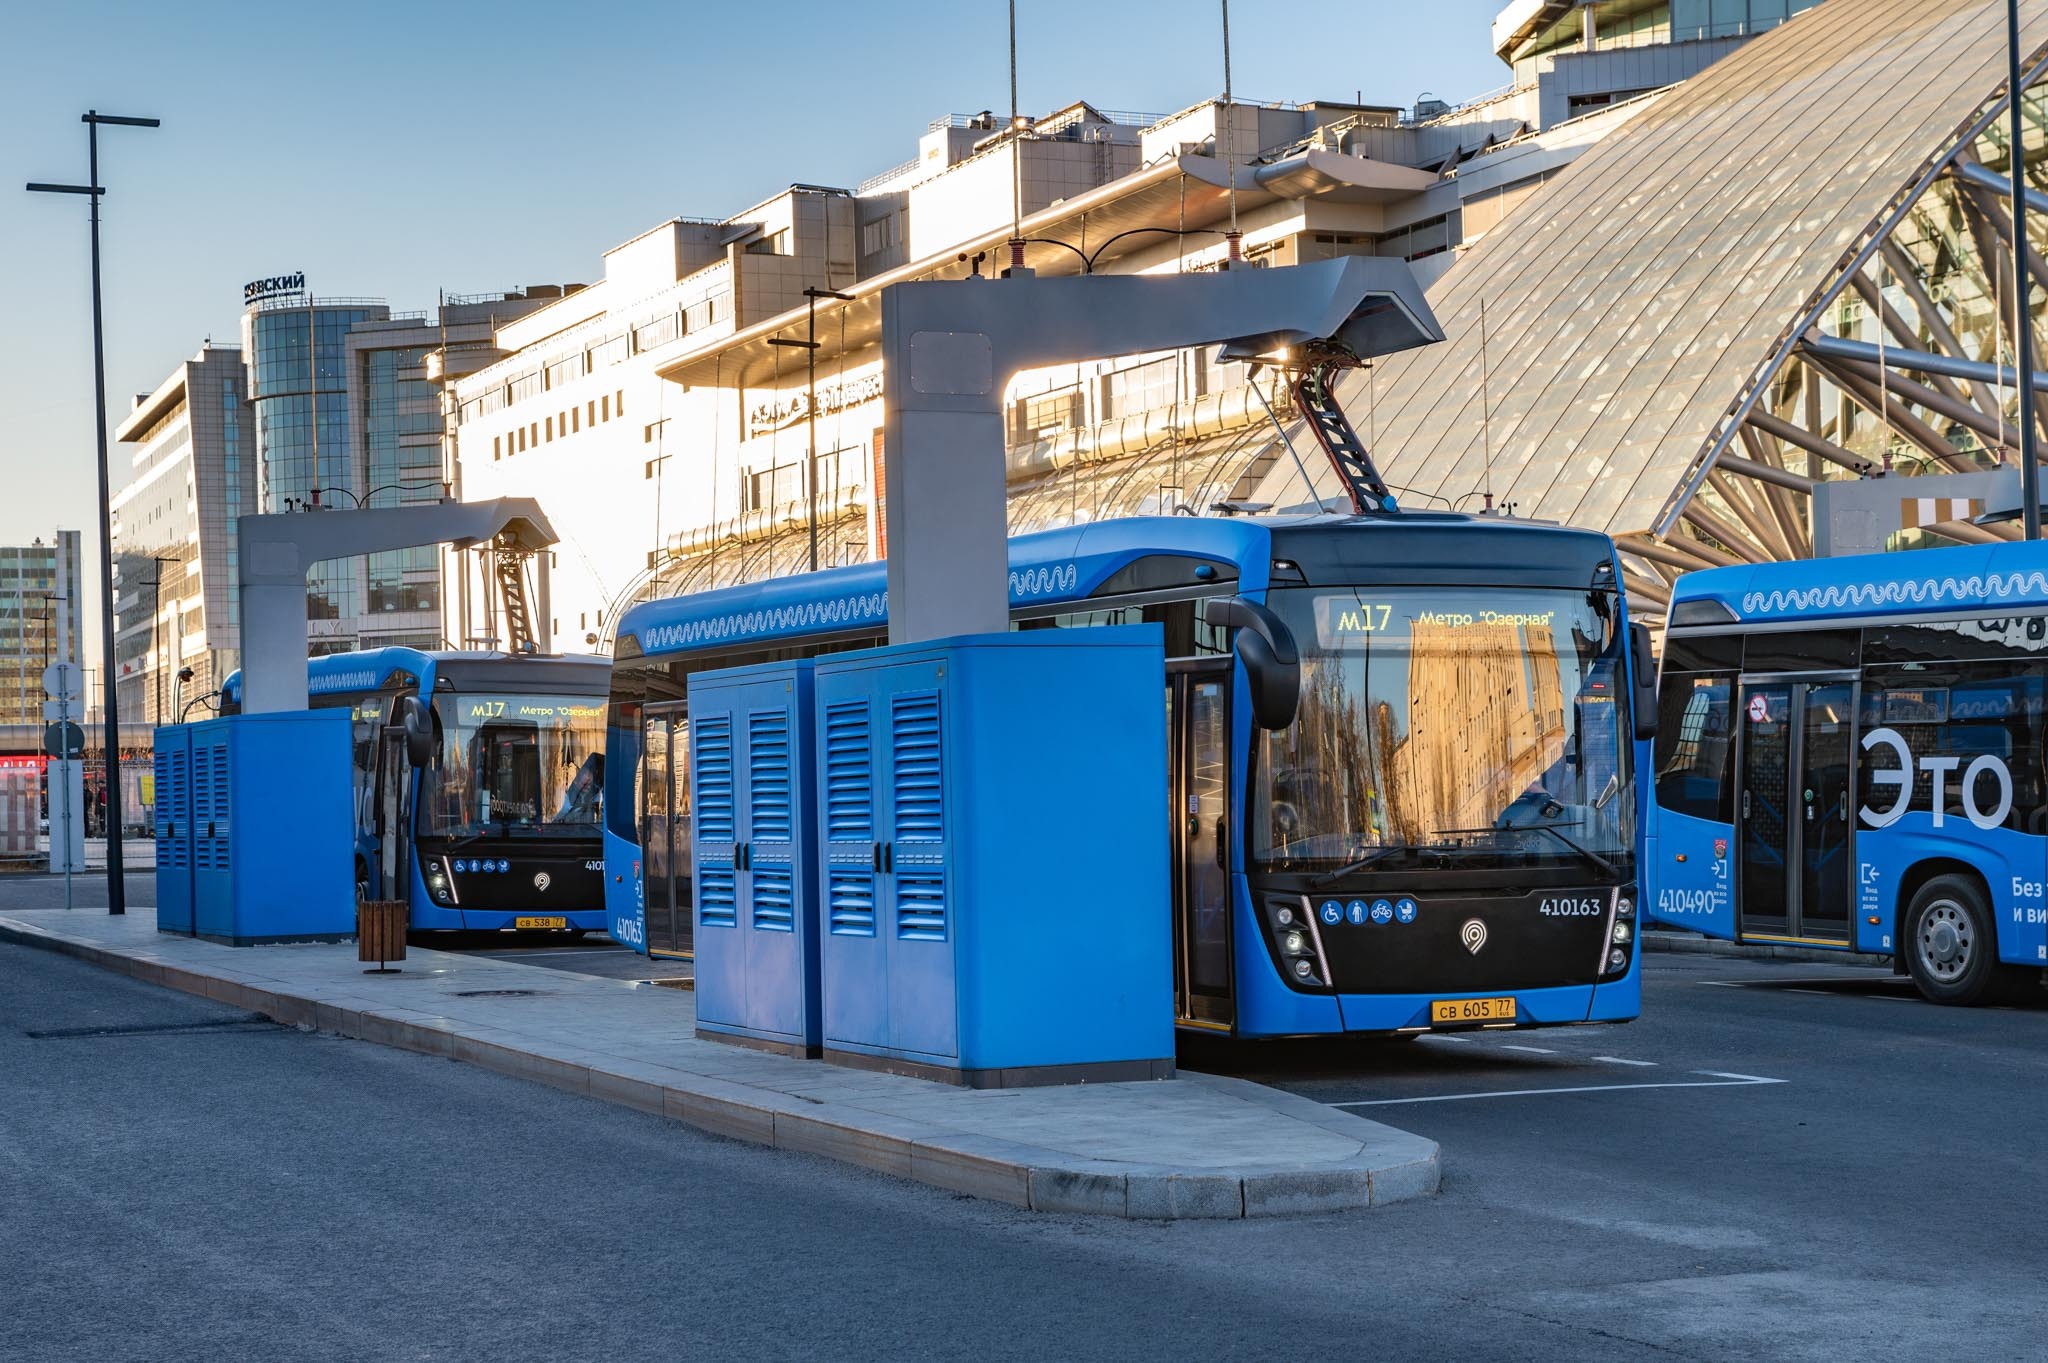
874,182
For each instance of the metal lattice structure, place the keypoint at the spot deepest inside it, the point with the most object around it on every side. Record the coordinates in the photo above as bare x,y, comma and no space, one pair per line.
1793,268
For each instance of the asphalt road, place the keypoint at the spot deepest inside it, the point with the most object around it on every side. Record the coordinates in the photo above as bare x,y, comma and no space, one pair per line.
180,1181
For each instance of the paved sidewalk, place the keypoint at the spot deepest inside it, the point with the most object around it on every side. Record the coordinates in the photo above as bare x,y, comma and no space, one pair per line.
1197,1146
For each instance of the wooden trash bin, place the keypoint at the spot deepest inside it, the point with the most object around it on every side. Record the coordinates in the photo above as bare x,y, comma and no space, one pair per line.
380,932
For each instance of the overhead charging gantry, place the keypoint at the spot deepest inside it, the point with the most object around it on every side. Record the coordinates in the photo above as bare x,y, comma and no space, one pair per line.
276,550
951,347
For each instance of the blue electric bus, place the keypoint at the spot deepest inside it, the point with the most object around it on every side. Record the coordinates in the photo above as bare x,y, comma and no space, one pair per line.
479,783
1850,758
1403,746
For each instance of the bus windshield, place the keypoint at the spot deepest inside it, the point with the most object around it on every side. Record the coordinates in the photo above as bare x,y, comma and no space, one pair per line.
1449,722
514,765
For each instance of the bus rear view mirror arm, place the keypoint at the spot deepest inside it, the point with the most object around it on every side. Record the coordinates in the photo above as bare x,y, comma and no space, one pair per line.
1642,671
1272,664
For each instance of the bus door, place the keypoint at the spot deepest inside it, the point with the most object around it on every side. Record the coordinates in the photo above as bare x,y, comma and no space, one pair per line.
665,829
1198,782
1793,862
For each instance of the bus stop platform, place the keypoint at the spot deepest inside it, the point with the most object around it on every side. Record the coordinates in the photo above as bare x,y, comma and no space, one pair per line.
1198,1146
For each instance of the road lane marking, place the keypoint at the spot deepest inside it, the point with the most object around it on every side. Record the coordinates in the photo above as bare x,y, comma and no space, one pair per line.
1719,1081
1529,1050
1618,1060
1745,1078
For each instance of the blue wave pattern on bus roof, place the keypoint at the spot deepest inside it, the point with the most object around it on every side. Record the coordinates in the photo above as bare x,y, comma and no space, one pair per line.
2008,576
343,681
1910,592
1051,581
841,612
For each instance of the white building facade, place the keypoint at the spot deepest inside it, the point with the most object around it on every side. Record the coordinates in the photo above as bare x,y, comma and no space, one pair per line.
664,417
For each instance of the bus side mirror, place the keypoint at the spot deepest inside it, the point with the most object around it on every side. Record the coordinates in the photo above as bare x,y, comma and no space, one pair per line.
1265,646
1642,671
419,730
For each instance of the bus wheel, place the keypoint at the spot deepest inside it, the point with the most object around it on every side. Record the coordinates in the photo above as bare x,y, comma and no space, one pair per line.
1951,945
362,883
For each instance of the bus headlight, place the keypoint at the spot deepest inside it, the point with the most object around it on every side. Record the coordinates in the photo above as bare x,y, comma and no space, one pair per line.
1296,942
1621,933
1617,960
1625,907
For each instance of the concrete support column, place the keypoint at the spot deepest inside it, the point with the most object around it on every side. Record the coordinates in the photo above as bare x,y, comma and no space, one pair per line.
949,556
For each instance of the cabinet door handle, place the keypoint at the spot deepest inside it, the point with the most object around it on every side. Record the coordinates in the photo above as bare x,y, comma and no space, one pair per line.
888,858
877,857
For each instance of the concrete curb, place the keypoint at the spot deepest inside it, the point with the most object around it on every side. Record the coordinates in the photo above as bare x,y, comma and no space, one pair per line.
1389,1165
1691,944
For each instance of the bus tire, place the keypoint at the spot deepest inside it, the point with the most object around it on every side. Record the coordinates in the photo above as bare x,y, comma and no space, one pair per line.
362,881
1951,943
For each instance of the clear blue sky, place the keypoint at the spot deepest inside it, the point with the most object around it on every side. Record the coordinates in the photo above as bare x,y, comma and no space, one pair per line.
390,150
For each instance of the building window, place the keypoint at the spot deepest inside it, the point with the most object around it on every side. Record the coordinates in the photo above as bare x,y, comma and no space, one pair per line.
496,452
1048,414
619,402
604,408
564,370
526,385
551,429
838,470
591,412
1141,388
658,332
770,244
575,418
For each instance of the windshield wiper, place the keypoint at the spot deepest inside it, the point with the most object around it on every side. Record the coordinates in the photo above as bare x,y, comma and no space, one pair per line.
467,838
1585,854
1371,858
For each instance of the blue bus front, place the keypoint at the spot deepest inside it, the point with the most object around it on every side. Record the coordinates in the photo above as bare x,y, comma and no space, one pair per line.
1446,835
1851,759
499,827
507,814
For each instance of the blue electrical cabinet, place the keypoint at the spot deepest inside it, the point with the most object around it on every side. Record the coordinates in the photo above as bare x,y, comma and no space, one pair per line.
173,820
754,846
995,896
267,822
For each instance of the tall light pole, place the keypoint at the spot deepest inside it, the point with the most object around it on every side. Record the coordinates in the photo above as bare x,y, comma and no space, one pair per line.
809,345
156,615
117,887
2023,312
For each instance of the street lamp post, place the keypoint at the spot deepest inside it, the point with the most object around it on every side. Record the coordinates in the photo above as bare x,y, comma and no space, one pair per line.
2023,312
156,615
809,345
117,888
